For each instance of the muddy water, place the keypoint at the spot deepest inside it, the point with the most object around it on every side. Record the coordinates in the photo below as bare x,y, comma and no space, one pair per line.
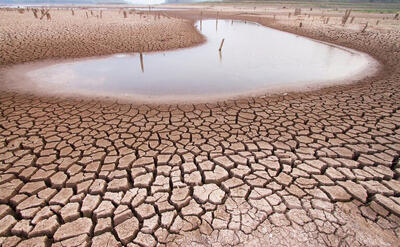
253,59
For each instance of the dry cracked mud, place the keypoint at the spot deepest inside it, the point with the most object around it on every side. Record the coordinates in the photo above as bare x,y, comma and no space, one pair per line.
318,168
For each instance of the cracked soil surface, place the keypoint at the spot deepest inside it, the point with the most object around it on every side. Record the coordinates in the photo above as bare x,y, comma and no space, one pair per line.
319,168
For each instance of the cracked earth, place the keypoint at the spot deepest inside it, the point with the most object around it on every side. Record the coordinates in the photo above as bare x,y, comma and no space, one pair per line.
319,168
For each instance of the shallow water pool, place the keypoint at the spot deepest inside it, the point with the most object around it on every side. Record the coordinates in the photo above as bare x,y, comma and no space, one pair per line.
254,60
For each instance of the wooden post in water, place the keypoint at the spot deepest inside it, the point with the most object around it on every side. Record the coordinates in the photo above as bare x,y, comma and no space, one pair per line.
220,46
141,62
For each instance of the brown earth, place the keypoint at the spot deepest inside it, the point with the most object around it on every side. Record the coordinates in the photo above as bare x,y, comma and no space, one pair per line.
319,168
27,38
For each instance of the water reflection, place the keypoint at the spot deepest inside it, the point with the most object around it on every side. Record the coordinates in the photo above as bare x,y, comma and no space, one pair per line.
255,58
